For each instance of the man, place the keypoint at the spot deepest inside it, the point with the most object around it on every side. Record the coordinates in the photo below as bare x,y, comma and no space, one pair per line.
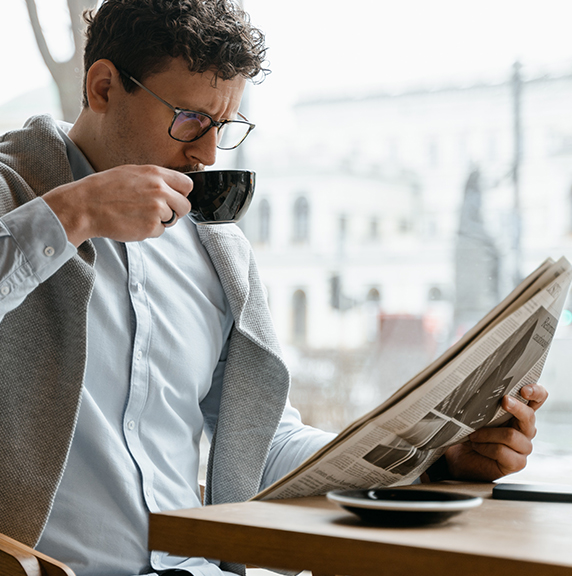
109,295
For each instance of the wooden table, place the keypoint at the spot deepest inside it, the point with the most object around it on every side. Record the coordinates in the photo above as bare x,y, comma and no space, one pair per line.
499,538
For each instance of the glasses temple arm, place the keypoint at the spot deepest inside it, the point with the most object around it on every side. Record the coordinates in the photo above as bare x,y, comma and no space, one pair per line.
149,91
175,110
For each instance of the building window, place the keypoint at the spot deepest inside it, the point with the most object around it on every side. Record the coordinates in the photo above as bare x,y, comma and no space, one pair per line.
405,225
264,222
342,229
431,227
301,220
299,324
373,296
433,153
374,229
435,294
372,314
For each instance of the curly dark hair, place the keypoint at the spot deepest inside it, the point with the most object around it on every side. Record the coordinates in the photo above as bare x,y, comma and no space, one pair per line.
138,36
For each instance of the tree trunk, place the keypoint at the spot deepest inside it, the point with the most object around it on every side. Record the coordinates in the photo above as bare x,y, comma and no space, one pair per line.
67,75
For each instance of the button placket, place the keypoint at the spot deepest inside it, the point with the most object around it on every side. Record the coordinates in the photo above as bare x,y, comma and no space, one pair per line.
139,369
139,366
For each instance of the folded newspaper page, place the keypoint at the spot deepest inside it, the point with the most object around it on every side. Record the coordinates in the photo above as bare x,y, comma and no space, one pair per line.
457,394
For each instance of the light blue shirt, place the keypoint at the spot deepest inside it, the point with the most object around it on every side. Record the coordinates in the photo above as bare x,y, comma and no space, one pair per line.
158,327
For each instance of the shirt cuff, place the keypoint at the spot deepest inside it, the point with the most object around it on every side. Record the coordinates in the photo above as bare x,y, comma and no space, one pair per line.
40,236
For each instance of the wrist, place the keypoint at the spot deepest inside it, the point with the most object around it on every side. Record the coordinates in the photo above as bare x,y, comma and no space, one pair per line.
66,203
438,471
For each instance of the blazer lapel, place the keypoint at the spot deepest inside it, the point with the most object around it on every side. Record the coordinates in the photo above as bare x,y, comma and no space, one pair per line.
256,380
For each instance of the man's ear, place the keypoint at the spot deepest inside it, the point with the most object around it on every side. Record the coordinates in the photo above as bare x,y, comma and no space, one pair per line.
101,83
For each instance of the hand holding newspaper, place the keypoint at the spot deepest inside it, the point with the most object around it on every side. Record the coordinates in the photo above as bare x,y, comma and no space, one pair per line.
457,394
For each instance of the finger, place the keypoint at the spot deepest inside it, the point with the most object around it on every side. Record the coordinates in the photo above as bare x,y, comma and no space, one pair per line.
510,437
171,186
507,460
178,204
524,416
172,220
535,394
178,181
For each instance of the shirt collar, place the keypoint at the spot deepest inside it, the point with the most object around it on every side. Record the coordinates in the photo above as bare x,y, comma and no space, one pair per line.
79,164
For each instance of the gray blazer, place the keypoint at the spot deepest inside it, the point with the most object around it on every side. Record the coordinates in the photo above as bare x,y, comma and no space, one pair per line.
43,347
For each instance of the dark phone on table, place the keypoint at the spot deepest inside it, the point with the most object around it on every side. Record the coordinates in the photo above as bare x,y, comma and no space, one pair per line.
533,492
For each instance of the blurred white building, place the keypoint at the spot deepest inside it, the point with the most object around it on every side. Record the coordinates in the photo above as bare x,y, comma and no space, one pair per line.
335,249
368,190
357,211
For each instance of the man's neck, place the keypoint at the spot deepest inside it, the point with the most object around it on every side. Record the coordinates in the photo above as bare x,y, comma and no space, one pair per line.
86,137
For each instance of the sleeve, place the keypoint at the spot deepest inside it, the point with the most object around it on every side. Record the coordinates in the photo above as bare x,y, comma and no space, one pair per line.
33,245
293,443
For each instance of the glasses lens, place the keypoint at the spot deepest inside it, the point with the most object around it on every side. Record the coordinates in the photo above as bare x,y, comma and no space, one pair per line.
231,134
189,125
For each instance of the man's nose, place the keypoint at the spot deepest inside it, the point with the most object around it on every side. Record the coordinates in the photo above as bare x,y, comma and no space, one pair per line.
203,150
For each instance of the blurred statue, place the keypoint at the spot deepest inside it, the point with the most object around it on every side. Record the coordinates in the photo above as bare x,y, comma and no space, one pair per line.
67,75
476,261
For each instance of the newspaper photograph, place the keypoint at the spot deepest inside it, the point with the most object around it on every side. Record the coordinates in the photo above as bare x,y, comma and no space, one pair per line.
395,444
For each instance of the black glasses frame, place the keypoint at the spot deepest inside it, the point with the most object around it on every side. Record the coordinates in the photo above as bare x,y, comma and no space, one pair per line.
213,123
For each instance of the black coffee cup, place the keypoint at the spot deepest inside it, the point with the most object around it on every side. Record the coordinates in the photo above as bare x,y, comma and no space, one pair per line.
220,196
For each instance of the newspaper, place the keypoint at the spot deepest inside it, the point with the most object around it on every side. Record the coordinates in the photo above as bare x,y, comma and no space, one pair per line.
454,396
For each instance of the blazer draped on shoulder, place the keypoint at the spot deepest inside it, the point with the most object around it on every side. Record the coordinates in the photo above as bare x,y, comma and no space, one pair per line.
43,348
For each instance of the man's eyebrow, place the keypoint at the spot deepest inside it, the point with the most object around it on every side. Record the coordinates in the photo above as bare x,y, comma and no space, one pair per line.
234,116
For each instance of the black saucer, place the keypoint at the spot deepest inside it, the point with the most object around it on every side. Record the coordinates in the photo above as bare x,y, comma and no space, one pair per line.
403,506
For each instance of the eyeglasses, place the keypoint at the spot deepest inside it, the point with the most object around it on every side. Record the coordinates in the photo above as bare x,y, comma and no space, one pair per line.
190,125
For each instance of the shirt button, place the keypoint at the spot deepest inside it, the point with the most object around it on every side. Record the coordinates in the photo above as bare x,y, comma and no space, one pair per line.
139,286
131,424
148,492
139,355
49,251
5,290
